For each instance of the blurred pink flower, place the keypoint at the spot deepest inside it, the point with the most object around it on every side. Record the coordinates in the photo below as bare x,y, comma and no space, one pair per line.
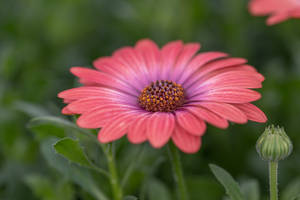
279,10
161,94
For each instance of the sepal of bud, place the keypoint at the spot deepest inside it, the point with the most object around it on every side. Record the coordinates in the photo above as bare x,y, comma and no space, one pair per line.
274,144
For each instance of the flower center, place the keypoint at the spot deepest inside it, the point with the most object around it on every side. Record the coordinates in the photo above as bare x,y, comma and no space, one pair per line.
162,96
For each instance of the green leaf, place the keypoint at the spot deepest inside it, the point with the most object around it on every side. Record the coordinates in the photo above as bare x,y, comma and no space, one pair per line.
44,131
58,122
30,109
130,198
231,186
292,191
78,174
69,146
250,189
157,190
72,150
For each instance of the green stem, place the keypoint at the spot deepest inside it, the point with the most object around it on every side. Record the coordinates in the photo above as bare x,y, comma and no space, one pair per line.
273,166
177,171
114,181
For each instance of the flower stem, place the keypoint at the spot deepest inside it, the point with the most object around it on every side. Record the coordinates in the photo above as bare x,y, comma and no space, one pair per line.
177,172
273,166
114,181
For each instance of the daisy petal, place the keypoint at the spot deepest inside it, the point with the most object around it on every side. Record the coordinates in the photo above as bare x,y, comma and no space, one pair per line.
98,117
208,116
159,128
66,111
81,92
279,10
137,130
108,65
111,66
169,55
132,59
115,128
252,112
185,56
186,142
228,95
87,104
295,13
197,62
151,54
92,76
226,111
277,18
93,91
237,68
120,70
264,7
212,66
240,79
219,64
190,123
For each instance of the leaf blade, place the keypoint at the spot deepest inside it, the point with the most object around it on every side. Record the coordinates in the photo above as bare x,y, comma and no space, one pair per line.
72,151
75,173
231,186
56,121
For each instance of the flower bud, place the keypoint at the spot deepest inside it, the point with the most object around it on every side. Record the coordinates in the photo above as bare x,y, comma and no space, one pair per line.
274,144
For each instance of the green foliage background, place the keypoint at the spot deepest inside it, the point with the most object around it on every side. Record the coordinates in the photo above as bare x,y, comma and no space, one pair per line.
41,39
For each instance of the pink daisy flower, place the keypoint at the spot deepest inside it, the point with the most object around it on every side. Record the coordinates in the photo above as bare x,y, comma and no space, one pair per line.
279,10
158,95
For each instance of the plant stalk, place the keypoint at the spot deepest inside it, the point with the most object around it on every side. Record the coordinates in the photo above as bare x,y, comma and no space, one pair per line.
114,181
273,167
177,172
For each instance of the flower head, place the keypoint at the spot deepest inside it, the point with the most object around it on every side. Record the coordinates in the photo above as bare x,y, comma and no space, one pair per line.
161,94
279,10
274,144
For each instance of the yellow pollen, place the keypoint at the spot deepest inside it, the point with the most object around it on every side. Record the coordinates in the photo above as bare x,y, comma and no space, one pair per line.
161,96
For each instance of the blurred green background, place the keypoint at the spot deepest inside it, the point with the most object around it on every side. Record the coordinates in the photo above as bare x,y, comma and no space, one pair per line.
41,39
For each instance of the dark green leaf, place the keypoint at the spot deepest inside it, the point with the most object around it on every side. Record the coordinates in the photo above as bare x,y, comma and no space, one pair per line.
76,173
52,120
44,131
72,150
56,121
30,109
231,186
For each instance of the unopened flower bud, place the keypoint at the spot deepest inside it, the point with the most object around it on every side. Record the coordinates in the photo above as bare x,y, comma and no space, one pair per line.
274,144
